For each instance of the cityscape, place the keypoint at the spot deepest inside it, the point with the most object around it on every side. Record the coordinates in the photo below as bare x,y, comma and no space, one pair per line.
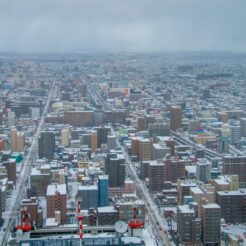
122,123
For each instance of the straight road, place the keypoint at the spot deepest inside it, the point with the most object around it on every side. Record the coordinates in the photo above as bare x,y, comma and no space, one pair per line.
19,192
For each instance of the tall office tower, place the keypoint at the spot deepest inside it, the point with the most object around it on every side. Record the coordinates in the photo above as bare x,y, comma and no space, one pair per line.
89,196
102,134
11,170
175,117
159,151
20,143
211,215
93,140
159,129
85,139
224,140
56,201
183,188
156,176
83,90
11,118
203,167
200,193
170,143
115,169
189,225
233,205
175,168
13,139
235,134
17,140
65,137
243,127
145,152
46,145
235,165
141,123
103,184
39,182
111,142
136,146
150,119
206,94
2,202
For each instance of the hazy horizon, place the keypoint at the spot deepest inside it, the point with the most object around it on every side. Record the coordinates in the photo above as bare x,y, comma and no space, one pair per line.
81,26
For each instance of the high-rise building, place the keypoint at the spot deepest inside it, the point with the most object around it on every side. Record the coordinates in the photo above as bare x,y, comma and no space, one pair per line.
83,90
13,139
103,184
56,201
111,142
20,143
189,225
156,176
203,167
17,140
141,123
136,146
65,137
211,215
46,145
115,169
175,117
159,129
145,152
183,188
235,133
200,193
2,201
102,134
93,140
11,118
11,170
235,165
175,168
243,127
224,139
39,182
233,205
89,196
159,151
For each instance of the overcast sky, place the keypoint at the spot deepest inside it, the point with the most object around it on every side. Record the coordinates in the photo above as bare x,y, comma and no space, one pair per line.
122,25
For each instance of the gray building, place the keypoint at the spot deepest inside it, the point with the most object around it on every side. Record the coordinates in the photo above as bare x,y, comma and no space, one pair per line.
235,133
189,225
159,129
159,151
243,127
115,169
88,196
211,215
203,168
111,142
46,145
